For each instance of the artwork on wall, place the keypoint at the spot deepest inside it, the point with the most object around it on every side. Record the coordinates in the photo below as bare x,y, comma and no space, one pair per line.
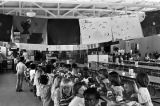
32,30
126,27
95,30
99,30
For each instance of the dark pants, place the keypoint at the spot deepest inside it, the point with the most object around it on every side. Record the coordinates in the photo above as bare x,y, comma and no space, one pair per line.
14,69
19,81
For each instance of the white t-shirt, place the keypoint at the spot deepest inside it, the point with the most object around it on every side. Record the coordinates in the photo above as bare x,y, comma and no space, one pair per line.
144,97
21,67
77,101
105,81
118,90
85,80
32,74
25,54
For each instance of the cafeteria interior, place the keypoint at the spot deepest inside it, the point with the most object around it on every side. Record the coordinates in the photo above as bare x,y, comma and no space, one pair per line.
91,53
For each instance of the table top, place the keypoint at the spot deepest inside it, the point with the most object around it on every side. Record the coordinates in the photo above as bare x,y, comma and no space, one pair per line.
140,66
151,78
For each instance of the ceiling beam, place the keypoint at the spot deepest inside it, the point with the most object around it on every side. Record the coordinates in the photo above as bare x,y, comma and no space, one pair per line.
61,17
44,9
20,6
72,10
97,3
79,13
107,3
10,12
62,9
58,9
2,3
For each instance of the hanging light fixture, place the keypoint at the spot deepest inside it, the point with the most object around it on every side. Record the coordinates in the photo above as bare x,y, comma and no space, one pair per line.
30,13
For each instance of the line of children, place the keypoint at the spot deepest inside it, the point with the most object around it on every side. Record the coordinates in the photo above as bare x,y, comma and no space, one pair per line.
60,88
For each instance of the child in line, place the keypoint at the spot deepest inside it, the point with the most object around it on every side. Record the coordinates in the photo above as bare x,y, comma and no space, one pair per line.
55,89
116,87
65,93
78,90
32,75
140,86
45,91
129,93
38,73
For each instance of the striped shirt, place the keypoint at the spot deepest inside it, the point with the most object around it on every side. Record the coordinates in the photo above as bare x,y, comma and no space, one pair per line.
65,100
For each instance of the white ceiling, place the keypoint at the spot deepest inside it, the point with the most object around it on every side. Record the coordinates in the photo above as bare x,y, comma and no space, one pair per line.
77,8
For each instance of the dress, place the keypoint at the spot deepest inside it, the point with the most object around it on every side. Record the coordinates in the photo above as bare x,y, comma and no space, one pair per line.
144,97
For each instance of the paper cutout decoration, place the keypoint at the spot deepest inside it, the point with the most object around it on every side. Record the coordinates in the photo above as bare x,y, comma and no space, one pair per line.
99,30
126,27
95,30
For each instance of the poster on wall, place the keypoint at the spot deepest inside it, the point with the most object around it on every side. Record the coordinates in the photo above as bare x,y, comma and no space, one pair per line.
126,27
29,30
95,30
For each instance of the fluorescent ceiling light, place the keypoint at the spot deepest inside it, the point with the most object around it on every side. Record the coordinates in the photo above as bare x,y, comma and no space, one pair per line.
31,14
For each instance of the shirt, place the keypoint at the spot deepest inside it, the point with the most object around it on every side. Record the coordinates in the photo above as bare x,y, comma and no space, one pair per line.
21,67
144,97
15,60
32,74
118,90
77,101
65,100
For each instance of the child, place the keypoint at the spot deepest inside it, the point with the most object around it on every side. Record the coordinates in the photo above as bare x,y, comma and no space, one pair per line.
78,89
144,97
116,85
55,90
38,73
45,91
32,75
129,93
65,94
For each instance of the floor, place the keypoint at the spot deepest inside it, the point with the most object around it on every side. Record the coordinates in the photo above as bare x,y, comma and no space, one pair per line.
9,96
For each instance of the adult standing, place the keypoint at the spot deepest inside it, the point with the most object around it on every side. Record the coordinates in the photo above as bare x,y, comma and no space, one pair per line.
15,64
21,67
